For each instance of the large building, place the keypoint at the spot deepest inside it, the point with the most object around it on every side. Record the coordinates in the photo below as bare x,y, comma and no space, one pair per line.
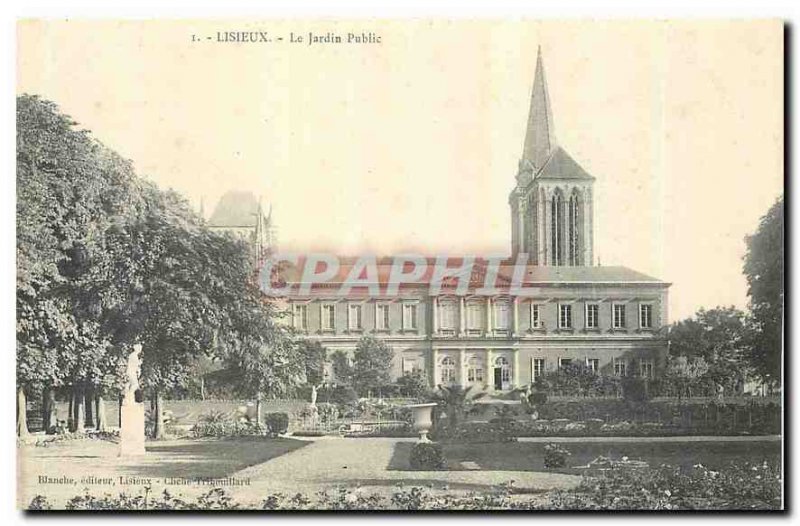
241,214
608,318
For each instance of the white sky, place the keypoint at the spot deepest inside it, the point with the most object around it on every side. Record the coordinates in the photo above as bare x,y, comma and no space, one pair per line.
413,144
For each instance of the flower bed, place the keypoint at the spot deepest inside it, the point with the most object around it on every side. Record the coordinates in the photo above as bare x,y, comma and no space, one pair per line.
692,416
741,487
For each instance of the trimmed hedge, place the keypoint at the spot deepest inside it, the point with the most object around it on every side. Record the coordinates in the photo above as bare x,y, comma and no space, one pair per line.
690,416
427,456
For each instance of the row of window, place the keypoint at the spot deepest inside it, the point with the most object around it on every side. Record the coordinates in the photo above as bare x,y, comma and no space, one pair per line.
592,316
475,316
355,316
448,319
475,371
646,367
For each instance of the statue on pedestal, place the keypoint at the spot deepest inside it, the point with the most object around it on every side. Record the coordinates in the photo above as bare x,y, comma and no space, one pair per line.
132,370
131,432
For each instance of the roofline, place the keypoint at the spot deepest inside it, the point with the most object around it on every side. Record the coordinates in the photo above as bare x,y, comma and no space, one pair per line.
365,284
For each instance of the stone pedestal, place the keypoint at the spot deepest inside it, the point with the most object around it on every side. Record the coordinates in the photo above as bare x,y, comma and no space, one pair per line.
131,433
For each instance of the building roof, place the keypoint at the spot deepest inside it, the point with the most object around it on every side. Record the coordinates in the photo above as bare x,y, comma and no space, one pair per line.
561,165
533,275
540,134
616,274
541,151
236,209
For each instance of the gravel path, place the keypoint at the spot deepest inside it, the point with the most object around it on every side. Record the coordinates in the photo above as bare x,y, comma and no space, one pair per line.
378,465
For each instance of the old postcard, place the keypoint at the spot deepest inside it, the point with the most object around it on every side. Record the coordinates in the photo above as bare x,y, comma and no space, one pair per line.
399,265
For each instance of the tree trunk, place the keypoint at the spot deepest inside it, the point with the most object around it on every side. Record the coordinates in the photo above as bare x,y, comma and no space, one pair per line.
71,411
89,408
119,411
202,387
80,411
158,419
258,409
100,411
22,413
49,415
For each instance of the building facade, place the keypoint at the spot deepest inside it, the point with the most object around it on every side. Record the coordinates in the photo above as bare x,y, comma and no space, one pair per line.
608,318
567,309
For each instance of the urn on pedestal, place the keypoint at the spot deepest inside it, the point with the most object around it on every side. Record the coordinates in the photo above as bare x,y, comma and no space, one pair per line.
422,415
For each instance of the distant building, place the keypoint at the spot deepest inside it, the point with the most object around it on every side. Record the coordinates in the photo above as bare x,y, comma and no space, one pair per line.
608,318
241,214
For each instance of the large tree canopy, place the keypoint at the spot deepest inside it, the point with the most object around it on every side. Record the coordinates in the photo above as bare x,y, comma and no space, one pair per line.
105,259
763,267
69,190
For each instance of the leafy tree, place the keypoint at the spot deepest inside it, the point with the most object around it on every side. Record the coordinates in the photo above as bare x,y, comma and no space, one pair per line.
372,363
314,356
69,188
106,260
763,268
342,368
413,384
455,401
719,336
683,373
186,293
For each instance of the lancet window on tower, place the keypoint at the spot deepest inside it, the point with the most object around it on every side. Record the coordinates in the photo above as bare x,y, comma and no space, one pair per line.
573,256
557,229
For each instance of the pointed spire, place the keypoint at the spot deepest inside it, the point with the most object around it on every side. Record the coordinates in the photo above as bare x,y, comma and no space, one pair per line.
540,136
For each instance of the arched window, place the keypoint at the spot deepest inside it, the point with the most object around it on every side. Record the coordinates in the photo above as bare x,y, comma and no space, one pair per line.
475,370
574,229
448,371
505,371
557,228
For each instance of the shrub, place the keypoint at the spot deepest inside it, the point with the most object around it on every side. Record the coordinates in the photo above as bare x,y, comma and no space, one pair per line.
504,414
227,429
276,423
427,456
538,398
339,395
634,389
327,412
213,417
555,456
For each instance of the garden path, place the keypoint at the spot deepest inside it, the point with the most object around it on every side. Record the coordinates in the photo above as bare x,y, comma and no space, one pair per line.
378,465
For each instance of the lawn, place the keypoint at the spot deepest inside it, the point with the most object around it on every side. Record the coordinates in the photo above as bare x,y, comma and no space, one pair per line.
528,456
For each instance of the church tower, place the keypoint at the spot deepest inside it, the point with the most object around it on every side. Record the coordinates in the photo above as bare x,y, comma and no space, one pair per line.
551,204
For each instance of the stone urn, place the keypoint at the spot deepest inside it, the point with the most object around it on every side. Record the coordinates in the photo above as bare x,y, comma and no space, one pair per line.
422,414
